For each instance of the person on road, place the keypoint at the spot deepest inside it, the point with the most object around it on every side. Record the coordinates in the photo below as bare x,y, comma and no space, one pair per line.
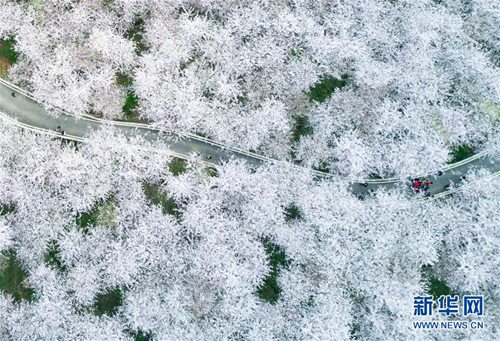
59,130
13,94
417,183
426,183
420,184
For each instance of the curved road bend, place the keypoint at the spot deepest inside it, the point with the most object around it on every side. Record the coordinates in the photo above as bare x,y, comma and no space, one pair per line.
19,107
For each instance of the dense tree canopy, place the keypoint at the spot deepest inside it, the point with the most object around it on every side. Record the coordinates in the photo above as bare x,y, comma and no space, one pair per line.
115,239
350,87
112,244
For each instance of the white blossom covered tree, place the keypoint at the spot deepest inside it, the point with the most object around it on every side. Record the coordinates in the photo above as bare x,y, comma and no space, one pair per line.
116,239
382,87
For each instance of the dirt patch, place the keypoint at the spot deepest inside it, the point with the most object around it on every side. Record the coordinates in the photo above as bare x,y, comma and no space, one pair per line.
4,67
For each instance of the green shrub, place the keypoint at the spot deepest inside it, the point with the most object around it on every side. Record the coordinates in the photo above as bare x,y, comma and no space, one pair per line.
460,153
301,128
108,303
159,198
177,166
52,256
270,290
13,277
327,84
7,50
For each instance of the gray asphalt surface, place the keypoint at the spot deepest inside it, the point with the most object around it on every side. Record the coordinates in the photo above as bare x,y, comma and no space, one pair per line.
31,113
16,104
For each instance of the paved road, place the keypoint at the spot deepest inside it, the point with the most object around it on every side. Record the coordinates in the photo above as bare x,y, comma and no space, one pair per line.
21,108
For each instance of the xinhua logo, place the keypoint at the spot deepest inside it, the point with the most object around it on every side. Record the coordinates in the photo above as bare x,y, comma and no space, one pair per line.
471,306
424,305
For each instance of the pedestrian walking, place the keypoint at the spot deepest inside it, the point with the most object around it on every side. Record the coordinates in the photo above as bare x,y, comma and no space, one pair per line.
416,183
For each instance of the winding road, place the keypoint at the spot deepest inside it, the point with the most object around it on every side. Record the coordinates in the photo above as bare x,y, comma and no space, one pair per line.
20,108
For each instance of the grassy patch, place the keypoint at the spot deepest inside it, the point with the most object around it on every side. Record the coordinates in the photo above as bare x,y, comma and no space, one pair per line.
177,166
106,214
302,127
130,107
270,290
460,153
52,256
123,79
142,336
327,84
159,198
211,171
6,209
13,277
435,286
136,34
292,212
101,214
108,303
130,112
7,50
8,56
438,288
87,219
4,67
493,110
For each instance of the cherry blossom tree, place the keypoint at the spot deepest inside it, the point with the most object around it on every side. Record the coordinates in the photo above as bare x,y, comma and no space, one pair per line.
113,238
